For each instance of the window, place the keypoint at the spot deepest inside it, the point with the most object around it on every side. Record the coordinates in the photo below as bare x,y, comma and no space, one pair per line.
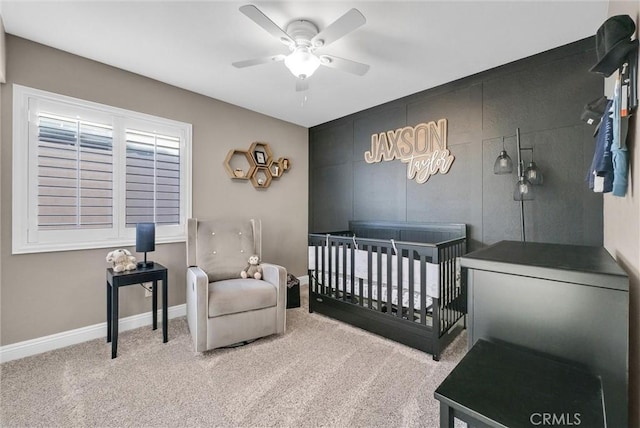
84,174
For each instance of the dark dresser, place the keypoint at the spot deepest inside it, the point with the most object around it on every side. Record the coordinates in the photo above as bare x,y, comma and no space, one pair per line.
566,301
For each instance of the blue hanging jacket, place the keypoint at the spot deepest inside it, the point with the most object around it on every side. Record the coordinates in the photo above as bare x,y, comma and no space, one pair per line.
619,154
602,165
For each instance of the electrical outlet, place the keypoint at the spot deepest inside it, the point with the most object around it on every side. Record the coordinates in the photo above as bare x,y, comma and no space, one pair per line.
147,293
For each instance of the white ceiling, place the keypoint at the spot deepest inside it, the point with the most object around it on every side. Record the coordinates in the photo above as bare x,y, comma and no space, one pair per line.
410,46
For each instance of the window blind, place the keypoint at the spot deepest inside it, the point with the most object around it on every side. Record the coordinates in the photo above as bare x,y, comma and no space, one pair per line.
153,178
75,173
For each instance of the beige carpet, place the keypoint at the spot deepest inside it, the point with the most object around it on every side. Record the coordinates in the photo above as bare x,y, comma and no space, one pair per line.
320,373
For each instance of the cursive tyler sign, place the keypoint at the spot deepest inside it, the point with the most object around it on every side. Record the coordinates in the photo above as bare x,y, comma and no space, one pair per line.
423,147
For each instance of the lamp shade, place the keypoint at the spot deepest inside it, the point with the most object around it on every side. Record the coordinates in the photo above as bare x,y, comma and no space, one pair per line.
533,174
523,191
302,63
503,164
145,237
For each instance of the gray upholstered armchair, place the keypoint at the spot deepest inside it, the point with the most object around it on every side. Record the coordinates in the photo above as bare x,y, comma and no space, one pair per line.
222,308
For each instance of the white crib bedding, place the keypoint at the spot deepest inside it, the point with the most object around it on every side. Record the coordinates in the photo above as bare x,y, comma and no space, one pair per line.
361,272
339,285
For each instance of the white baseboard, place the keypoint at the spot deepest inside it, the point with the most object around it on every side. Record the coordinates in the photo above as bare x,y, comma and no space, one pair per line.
79,335
84,334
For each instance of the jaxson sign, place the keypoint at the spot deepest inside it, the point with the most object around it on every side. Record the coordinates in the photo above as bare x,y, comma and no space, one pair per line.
422,147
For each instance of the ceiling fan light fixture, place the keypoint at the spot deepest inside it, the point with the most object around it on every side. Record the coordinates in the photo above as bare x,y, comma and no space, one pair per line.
303,38
302,63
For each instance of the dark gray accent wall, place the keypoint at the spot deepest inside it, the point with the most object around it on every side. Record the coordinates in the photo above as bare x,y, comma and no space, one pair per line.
543,95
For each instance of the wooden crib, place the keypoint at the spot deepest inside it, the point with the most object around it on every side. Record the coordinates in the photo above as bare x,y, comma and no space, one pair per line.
398,280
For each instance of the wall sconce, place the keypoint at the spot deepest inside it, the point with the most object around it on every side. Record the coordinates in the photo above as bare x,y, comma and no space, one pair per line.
527,178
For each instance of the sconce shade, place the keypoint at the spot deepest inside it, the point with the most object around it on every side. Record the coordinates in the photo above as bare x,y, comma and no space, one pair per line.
145,241
503,164
523,191
533,174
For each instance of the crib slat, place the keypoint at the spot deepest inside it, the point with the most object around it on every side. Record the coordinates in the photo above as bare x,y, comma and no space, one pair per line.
447,278
325,268
452,288
423,290
400,287
329,280
317,272
452,284
444,299
352,273
389,280
343,246
411,258
379,276
369,277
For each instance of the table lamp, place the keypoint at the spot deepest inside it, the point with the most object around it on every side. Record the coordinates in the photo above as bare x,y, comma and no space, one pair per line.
145,241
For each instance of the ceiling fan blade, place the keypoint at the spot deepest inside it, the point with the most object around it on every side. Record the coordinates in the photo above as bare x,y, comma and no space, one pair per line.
257,61
340,27
347,65
262,20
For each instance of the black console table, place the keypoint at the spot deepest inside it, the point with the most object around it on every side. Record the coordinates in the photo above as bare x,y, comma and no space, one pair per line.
115,280
496,385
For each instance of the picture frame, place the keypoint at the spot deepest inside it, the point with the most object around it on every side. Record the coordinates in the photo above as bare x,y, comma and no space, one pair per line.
260,157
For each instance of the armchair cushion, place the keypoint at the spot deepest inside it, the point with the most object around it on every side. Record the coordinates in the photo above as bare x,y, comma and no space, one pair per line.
240,295
223,248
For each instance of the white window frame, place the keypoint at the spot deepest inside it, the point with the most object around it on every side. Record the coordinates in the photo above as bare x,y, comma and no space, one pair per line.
26,236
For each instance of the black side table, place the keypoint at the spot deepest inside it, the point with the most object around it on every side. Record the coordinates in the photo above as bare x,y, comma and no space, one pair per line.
115,280
496,385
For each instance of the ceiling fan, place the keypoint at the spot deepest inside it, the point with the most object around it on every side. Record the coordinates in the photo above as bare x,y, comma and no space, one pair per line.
303,38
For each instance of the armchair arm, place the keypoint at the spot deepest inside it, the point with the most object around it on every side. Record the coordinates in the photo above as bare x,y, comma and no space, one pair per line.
197,306
277,275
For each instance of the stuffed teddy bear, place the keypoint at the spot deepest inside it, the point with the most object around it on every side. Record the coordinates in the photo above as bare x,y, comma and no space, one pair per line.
253,269
121,260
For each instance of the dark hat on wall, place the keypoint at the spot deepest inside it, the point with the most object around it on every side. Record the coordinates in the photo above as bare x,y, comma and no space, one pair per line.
613,43
593,111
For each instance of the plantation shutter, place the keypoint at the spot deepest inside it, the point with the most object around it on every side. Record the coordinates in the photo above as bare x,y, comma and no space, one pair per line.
75,173
153,178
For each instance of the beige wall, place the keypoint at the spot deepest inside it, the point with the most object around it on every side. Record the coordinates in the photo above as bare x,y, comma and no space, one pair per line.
622,232
43,294
3,52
